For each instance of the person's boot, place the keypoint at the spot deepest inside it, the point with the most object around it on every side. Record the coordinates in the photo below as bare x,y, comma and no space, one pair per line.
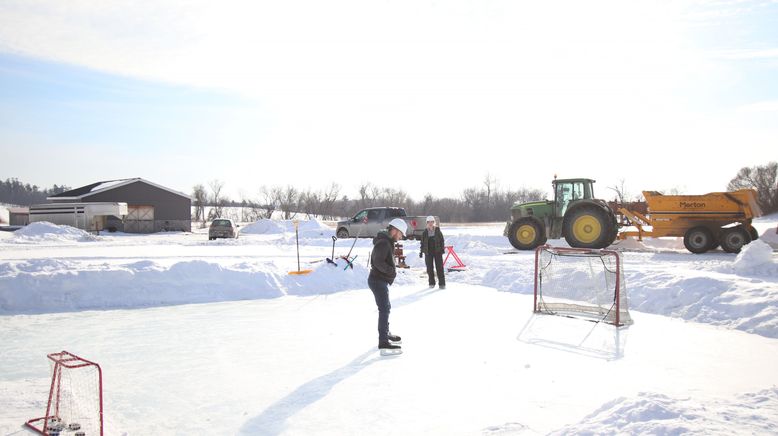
394,338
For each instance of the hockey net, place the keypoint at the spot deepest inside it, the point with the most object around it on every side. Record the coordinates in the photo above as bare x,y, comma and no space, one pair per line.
75,403
581,282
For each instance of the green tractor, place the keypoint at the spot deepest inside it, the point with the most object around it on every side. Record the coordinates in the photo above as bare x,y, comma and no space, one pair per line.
583,220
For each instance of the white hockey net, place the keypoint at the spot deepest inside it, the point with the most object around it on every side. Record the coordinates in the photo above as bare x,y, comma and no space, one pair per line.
581,282
74,406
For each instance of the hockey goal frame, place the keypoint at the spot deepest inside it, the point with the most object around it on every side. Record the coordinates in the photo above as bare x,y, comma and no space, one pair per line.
65,360
540,306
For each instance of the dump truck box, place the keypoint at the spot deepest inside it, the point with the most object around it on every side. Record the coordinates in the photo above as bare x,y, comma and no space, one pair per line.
709,216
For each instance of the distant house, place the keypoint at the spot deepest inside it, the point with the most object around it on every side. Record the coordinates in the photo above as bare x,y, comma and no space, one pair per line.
150,207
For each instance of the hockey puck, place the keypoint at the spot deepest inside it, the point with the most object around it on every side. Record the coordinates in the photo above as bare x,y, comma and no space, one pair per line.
80,433
74,426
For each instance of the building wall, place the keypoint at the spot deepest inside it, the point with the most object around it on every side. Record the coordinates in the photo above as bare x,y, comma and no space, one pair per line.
19,219
171,212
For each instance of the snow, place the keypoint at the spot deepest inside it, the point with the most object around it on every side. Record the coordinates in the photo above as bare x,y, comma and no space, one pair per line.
5,216
265,352
44,231
309,228
756,258
651,413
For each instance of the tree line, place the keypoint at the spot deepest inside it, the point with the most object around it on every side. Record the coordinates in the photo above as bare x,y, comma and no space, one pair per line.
12,191
486,203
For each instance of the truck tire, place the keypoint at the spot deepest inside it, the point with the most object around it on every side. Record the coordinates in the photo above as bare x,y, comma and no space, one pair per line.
589,227
734,238
527,233
698,239
753,233
342,233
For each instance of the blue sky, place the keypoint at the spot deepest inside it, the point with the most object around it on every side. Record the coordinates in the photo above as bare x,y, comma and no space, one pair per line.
664,95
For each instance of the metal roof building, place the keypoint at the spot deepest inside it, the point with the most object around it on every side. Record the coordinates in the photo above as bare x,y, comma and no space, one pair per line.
150,207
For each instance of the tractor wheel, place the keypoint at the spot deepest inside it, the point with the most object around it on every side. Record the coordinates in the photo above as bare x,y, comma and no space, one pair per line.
342,233
753,233
527,233
698,239
734,238
589,227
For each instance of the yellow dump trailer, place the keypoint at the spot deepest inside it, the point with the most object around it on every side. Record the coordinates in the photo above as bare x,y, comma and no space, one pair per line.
704,221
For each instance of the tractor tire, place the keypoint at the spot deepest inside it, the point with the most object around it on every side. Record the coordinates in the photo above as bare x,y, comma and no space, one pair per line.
527,233
753,233
342,233
734,238
589,227
698,239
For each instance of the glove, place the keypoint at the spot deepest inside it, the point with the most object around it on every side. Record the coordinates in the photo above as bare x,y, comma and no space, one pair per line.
420,255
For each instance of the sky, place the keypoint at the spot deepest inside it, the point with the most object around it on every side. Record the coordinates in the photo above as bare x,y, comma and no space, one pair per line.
426,96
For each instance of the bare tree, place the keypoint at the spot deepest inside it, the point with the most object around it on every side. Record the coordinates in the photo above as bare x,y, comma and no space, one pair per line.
764,179
621,192
217,201
289,202
329,197
200,198
271,197
489,185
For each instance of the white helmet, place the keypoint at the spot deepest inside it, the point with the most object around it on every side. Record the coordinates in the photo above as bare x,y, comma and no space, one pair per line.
431,218
399,224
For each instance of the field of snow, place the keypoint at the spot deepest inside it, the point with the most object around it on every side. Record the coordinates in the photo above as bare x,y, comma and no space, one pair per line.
268,353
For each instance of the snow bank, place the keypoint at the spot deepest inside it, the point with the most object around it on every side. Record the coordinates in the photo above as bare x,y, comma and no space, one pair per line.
306,228
47,232
47,285
652,413
756,258
770,236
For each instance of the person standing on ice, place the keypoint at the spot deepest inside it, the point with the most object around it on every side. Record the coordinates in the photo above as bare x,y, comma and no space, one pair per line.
382,274
432,248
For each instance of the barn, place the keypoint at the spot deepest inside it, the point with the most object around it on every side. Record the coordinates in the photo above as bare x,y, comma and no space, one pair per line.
150,207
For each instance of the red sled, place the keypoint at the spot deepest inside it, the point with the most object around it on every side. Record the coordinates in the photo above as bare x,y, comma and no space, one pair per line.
452,254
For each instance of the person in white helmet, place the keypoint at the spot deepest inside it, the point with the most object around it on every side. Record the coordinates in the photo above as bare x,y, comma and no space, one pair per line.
382,274
432,246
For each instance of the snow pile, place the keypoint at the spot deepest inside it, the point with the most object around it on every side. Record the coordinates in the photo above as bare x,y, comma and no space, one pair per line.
756,258
47,232
46,285
478,248
307,228
770,236
651,413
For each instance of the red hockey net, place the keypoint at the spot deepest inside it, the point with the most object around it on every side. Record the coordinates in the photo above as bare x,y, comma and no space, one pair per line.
581,282
75,404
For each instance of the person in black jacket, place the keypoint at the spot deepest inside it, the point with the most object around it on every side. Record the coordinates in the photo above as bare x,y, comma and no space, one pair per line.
382,274
432,247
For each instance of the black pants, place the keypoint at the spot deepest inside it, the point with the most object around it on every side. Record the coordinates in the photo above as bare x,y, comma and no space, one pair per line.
380,290
438,259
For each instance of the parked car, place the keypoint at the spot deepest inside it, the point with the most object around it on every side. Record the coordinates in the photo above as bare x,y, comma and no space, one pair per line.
222,228
368,222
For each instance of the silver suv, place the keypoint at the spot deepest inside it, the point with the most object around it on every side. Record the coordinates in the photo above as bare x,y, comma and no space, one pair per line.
222,228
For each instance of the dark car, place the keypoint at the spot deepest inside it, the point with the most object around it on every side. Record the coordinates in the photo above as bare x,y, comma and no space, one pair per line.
222,228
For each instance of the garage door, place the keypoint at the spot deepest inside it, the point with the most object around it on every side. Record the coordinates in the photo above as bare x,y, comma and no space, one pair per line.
140,219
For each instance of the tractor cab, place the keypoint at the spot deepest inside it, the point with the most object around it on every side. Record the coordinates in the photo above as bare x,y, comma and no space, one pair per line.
569,190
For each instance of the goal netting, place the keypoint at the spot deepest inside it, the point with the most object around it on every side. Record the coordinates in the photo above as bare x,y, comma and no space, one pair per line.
75,403
581,282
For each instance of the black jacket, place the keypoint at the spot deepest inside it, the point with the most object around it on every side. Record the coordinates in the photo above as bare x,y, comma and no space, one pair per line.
434,244
382,258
